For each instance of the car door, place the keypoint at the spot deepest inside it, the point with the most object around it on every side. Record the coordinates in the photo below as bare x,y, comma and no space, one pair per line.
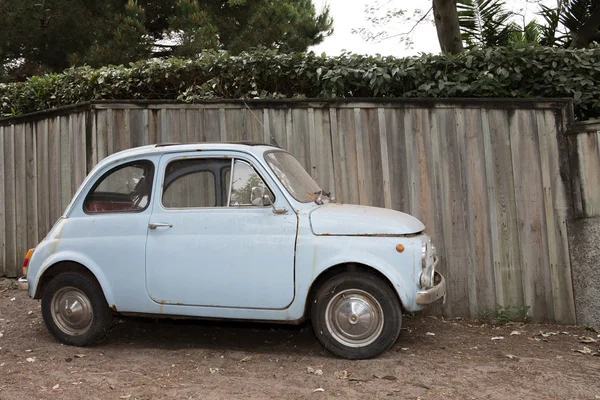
208,245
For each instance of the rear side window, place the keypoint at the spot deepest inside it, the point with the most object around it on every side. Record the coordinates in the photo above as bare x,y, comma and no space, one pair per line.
126,188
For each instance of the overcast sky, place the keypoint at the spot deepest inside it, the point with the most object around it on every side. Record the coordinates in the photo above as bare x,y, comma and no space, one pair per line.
349,14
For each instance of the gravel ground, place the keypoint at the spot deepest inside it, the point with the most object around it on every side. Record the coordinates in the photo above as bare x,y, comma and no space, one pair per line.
177,359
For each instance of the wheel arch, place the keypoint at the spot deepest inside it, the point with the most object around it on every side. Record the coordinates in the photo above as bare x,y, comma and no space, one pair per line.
342,268
61,267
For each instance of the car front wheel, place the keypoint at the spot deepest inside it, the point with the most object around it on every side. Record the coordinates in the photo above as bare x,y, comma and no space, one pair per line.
356,315
75,310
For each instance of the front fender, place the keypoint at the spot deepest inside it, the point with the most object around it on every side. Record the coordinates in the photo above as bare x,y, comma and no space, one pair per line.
399,279
69,256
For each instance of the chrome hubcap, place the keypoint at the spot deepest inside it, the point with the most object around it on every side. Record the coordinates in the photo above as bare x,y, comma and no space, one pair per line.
354,318
72,311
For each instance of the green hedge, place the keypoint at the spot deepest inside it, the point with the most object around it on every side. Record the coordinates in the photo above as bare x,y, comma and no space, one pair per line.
497,72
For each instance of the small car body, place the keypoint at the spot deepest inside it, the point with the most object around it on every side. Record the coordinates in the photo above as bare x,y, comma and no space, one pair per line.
229,231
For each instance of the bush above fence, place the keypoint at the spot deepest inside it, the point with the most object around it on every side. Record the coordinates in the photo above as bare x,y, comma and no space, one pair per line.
498,72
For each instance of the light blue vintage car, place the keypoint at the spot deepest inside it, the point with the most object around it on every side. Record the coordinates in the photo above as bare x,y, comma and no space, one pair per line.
230,231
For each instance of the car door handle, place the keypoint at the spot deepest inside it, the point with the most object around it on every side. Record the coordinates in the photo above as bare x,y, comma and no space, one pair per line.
160,225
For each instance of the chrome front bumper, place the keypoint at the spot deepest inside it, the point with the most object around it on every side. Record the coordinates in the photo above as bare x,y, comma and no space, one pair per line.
437,291
22,283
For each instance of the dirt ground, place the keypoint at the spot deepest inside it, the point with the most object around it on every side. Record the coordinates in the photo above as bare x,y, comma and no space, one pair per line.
174,359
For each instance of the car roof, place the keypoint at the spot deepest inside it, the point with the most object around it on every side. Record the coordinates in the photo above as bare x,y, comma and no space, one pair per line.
246,146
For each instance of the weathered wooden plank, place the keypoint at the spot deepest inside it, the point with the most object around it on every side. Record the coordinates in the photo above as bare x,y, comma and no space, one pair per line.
101,135
235,125
78,158
348,157
277,127
3,192
435,169
289,143
266,127
588,145
556,208
455,248
312,142
223,133
411,127
31,186
21,131
337,155
10,202
529,195
372,158
54,170
43,197
212,130
503,227
323,152
194,127
65,134
110,132
399,179
385,159
423,167
360,158
138,127
153,126
255,125
479,258
299,140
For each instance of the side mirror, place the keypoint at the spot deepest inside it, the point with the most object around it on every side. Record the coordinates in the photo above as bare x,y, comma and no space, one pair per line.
267,200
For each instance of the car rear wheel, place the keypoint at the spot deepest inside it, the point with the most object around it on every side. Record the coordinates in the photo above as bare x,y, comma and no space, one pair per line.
356,315
75,310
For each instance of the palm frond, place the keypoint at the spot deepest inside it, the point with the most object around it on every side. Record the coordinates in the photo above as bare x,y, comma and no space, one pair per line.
485,23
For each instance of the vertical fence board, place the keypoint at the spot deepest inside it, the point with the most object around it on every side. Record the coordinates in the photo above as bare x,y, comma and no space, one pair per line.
3,193
385,159
479,257
588,148
42,178
399,178
373,157
212,131
454,248
21,131
11,199
31,187
556,210
530,216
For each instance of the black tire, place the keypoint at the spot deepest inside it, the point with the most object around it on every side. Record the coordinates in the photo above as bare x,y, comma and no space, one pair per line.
371,296
88,309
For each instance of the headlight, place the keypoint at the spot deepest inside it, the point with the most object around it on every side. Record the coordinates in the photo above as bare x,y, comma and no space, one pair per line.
427,257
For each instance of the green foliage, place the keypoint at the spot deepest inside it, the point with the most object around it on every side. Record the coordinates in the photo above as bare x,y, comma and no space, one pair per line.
51,35
523,72
502,315
193,29
129,41
485,23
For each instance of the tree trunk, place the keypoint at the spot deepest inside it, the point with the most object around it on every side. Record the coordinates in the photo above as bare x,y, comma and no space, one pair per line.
588,31
446,24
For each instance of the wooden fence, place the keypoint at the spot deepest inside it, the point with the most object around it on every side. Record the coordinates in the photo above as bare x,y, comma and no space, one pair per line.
490,179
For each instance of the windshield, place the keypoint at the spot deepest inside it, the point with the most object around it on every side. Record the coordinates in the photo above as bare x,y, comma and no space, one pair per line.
291,174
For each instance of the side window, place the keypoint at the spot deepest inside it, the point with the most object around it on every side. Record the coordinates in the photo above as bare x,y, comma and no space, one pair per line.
195,183
126,188
247,187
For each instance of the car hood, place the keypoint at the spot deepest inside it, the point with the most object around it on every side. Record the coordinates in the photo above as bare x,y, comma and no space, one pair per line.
351,220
